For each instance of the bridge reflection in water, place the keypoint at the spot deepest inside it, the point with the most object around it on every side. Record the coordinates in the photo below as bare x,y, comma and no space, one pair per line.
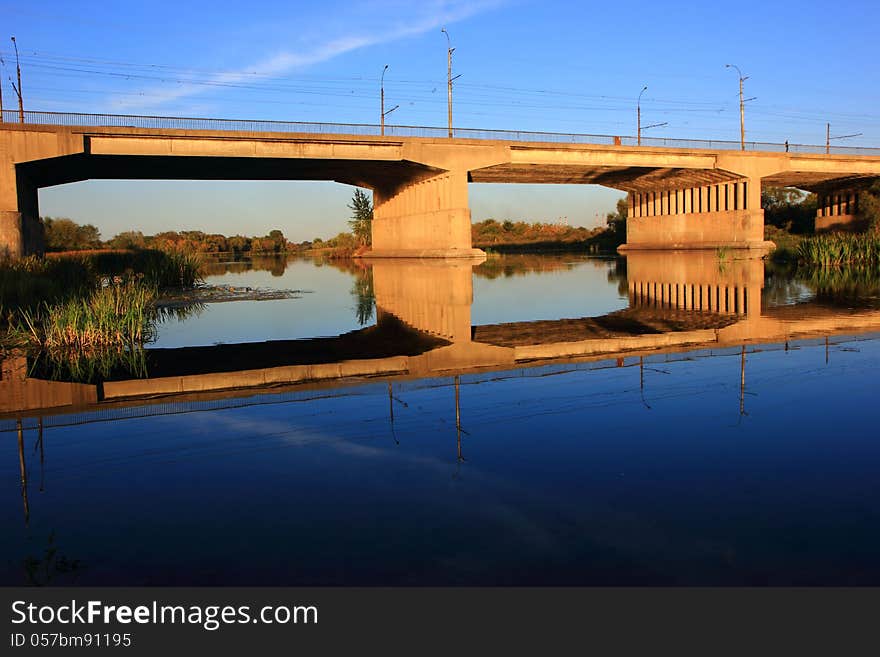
424,336
677,301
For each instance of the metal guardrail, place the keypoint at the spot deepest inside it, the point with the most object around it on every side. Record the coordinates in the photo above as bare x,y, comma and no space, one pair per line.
70,119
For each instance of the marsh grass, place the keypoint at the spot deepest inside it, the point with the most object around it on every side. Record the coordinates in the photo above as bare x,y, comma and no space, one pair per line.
111,317
163,269
85,315
86,338
837,249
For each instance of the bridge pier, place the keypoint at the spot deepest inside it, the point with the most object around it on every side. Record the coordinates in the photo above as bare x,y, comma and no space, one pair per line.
21,231
427,218
838,209
721,215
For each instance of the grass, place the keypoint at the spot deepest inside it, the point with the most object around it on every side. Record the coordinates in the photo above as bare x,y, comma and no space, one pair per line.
85,336
28,282
111,317
87,314
837,249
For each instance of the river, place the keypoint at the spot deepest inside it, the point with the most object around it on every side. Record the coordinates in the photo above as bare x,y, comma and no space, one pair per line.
530,420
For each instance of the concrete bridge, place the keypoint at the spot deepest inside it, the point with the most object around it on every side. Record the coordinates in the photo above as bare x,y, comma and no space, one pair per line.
684,195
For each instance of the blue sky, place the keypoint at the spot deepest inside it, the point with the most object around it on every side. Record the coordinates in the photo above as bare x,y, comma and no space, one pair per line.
527,65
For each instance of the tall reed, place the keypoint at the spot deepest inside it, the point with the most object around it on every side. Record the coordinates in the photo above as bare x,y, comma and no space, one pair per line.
838,249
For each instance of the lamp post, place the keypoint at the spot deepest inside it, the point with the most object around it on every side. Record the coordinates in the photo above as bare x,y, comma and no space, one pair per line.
639,116
382,111
449,78
2,65
742,106
382,99
18,88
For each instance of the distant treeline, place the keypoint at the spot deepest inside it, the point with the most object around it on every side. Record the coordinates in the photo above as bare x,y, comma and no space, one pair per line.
63,234
66,235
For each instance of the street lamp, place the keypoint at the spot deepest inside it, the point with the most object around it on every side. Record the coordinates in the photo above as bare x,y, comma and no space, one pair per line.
639,116
742,110
382,111
2,66
449,78
18,88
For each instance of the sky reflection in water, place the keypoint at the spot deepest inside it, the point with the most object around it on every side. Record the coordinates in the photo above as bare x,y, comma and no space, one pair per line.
661,470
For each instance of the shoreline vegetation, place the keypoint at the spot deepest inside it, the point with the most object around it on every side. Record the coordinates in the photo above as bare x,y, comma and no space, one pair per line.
83,314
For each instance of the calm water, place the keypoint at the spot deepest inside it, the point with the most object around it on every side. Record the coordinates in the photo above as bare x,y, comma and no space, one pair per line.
748,461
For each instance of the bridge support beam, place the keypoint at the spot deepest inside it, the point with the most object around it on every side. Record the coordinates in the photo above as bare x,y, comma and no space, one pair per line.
427,218
722,215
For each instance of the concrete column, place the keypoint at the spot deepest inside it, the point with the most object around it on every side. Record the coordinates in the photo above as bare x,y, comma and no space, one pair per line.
21,232
424,219
11,235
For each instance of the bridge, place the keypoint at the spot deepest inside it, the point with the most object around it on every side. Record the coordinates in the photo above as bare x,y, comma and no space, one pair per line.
682,194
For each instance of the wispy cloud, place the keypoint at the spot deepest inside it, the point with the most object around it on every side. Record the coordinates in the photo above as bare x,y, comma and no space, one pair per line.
427,17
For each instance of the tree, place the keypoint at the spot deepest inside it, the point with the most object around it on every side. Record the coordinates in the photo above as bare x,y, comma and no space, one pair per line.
869,207
279,242
238,244
789,208
130,239
362,217
616,221
66,235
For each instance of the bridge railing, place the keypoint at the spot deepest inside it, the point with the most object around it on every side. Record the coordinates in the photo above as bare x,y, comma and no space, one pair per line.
71,119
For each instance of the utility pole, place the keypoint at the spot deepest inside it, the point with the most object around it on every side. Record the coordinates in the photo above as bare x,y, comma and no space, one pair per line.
2,65
742,106
449,78
639,116
18,88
